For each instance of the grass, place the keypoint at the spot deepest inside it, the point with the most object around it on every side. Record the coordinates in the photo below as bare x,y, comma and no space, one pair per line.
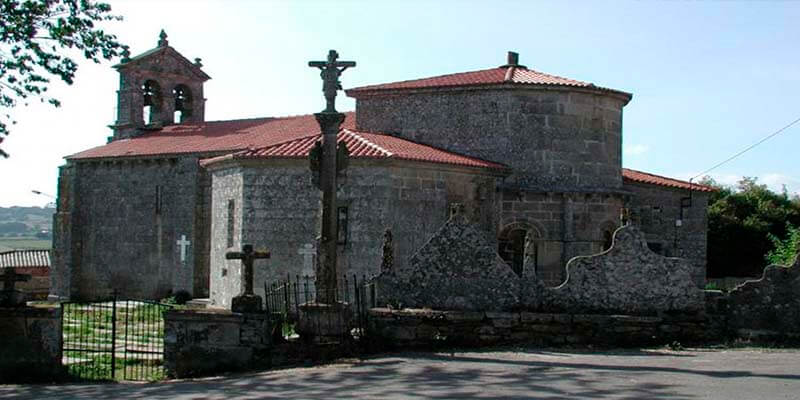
89,327
26,243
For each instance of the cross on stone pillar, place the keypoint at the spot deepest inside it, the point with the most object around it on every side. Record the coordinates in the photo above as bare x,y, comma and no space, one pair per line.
247,301
183,243
9,295
329,122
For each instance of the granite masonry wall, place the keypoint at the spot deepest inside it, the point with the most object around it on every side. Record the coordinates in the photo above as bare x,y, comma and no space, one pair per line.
280,207
458,269
657,208
202,342
564,225
553,138
118,223
31,346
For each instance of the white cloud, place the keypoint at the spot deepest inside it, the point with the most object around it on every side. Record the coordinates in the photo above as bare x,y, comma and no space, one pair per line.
634,149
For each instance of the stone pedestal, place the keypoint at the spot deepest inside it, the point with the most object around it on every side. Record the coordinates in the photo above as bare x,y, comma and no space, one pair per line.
246,303
318,321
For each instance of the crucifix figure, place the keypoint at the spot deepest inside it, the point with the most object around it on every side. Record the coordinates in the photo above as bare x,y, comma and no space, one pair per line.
10,279
247,255
331,70
183,243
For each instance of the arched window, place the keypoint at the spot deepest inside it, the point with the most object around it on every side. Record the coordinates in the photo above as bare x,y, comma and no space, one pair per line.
151,92
183,102
607,234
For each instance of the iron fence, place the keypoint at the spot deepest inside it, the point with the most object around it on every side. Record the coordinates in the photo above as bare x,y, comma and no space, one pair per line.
287,299
113,339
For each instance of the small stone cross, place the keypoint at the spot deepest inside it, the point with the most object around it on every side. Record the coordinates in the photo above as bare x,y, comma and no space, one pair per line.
308,252
184,244
10,278
247,255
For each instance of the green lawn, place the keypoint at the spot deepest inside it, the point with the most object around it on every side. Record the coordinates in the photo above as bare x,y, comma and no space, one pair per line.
25,243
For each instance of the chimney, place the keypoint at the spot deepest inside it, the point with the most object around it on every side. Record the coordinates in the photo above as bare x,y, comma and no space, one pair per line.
512,61
513,58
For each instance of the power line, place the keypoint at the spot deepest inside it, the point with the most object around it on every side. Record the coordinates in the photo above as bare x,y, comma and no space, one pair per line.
773,134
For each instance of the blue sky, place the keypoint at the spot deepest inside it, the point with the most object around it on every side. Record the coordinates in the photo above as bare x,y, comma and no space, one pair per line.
708,78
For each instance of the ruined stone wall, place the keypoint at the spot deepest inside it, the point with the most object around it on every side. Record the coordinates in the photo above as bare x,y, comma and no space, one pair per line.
226,235
553,139
126,217
458,269
768,307
655,210
565,224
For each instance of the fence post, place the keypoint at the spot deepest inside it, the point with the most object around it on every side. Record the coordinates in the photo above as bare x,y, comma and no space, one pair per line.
114,336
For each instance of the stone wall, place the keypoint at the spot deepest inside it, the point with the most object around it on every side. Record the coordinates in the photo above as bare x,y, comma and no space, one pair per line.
769,306
628,278
458,269
657,208
552,138
204,342
119,223
281,206
402,329
30,349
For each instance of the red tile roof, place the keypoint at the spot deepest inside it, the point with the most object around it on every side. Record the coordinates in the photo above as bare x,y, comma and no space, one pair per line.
212,137
634,176
500,75
25,258
363,145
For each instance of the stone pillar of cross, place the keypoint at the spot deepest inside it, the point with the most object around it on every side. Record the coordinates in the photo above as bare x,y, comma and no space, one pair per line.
329,121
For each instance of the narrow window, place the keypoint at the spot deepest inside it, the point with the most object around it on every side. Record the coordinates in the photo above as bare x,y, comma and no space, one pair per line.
341,234
231,209
158,199
511,248
608,238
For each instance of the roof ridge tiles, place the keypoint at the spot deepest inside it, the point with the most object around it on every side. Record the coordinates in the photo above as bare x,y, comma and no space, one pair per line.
369,143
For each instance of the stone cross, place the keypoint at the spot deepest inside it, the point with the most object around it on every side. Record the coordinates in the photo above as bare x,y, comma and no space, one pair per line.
329,122
184,244
307,251
247,255
10,279
331,70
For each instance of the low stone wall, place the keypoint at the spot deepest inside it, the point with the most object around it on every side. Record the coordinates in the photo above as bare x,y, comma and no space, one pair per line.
415,327
201,342
30,346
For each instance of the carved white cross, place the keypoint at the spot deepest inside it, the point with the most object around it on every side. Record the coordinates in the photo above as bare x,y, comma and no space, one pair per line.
184,244
308,252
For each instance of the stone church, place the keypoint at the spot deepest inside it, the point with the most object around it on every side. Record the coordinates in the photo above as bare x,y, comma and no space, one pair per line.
534,160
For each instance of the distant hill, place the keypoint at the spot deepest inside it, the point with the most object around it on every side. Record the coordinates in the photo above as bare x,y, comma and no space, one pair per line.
26,221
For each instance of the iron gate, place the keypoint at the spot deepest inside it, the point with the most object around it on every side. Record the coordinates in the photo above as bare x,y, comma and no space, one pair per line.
114,339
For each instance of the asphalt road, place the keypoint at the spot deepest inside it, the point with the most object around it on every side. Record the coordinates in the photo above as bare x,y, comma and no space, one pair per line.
519,374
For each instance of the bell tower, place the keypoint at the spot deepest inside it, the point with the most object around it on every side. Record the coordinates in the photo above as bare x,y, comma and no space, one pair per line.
157,88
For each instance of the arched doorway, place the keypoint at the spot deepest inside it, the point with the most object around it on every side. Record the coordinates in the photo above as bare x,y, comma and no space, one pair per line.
518,245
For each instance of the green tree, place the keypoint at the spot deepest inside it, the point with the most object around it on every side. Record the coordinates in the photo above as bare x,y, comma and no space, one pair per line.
785,250
740,222
35,37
